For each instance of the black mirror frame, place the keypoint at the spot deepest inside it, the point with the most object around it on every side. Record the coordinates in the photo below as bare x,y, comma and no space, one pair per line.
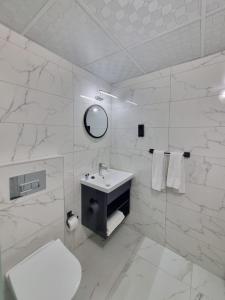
85,123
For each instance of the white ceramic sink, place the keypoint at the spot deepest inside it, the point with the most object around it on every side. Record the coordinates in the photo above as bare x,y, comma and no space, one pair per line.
109,181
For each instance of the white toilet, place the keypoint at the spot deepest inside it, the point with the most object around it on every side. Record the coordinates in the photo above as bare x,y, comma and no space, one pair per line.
50,273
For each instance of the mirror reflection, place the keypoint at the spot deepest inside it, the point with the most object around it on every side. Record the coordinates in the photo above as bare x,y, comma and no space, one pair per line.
96,121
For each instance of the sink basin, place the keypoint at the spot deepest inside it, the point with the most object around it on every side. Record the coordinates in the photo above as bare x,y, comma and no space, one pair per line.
109,181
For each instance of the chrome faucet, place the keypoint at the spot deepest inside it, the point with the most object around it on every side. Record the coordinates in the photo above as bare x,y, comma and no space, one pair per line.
101,167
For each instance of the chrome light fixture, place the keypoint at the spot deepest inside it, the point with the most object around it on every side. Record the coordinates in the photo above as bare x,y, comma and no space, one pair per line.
108,94
98,98
131,102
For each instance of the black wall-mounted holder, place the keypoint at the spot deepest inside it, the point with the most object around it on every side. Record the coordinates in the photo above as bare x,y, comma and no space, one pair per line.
185,154
69,215
141,130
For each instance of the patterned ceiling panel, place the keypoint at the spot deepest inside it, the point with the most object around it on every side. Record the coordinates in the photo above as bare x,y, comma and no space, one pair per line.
120,39
67,30
173,48
114,68
18,13
215,33
132,21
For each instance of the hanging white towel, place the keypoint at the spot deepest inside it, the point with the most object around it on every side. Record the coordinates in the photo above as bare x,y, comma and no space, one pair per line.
176,172
113,221
158,171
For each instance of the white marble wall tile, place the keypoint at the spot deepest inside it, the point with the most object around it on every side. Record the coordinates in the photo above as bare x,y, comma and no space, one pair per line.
53,79
207,229
24,43
143,78
69,170
25,141
23,105
87,161
132,160
199,63
54,177
154,91
203,112
196,295
146,201
126,115
153,228
207,141
202,199
41,51
33,71
25,218
26,247
84,142
71,199
4,32
201,253
17,39
201,82
128,138
206,171
122,160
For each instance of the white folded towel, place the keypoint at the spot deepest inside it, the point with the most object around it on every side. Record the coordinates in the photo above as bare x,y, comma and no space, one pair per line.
113,221
176,172
158,171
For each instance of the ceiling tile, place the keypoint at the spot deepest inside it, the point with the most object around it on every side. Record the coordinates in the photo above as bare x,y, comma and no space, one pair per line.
170,49
18,13
215,33
133,21
214,4
68,31
114,68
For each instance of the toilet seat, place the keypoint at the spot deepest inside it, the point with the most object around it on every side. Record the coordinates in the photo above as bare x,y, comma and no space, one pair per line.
50,273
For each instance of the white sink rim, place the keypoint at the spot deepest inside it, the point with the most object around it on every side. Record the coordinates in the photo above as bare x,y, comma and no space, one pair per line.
127,176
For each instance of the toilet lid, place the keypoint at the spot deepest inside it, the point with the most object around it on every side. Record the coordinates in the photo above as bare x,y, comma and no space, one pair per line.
50,273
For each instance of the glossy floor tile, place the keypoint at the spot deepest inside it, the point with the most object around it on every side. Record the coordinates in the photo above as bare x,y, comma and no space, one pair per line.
130,266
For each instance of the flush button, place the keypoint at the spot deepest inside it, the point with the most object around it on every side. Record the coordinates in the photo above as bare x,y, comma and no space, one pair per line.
35,185
27,184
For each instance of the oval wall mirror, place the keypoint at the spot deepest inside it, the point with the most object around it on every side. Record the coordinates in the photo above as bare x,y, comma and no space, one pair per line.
96,121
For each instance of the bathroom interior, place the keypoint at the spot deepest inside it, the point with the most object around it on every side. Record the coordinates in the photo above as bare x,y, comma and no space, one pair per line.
112,152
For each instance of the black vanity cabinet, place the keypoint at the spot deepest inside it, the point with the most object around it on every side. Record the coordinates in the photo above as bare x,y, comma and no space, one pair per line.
97,206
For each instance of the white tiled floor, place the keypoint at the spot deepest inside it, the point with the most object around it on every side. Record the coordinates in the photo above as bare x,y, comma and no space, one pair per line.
129,267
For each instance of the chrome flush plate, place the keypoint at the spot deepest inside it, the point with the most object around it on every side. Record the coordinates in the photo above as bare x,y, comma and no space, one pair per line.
27,184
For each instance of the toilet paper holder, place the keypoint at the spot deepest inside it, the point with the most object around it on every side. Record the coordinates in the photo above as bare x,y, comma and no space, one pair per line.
70,214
